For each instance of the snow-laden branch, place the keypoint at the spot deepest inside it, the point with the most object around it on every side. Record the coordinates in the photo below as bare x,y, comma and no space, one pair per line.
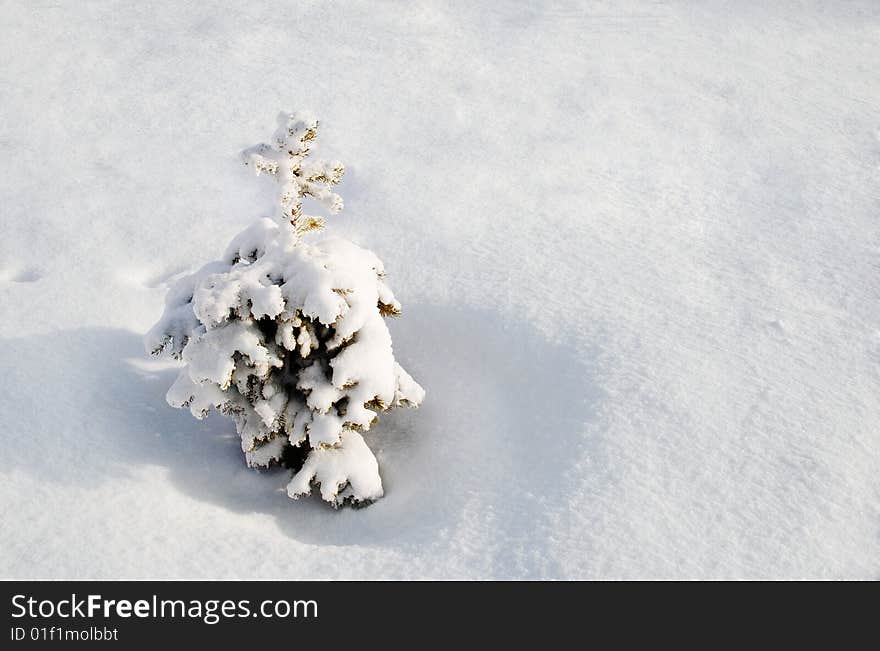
285,159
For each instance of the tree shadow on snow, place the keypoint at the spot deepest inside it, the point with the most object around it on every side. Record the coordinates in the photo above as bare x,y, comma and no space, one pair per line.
499,442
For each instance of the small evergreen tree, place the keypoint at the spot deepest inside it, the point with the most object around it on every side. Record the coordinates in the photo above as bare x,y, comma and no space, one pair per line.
288,337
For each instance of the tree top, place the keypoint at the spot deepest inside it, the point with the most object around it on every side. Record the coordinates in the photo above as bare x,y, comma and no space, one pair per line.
285,159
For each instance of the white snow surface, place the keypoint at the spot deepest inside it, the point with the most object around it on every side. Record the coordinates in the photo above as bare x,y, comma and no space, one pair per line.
636,245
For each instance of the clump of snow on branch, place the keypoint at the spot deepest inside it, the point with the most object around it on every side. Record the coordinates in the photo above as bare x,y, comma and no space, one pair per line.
288,337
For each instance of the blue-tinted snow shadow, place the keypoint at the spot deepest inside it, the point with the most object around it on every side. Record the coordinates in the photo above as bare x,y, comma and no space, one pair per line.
87,406
499,441
502,441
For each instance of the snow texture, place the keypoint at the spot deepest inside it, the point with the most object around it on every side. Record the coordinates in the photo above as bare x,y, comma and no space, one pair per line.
637,244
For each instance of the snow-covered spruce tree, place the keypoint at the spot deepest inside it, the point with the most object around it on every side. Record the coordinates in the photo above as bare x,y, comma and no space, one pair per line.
288,337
